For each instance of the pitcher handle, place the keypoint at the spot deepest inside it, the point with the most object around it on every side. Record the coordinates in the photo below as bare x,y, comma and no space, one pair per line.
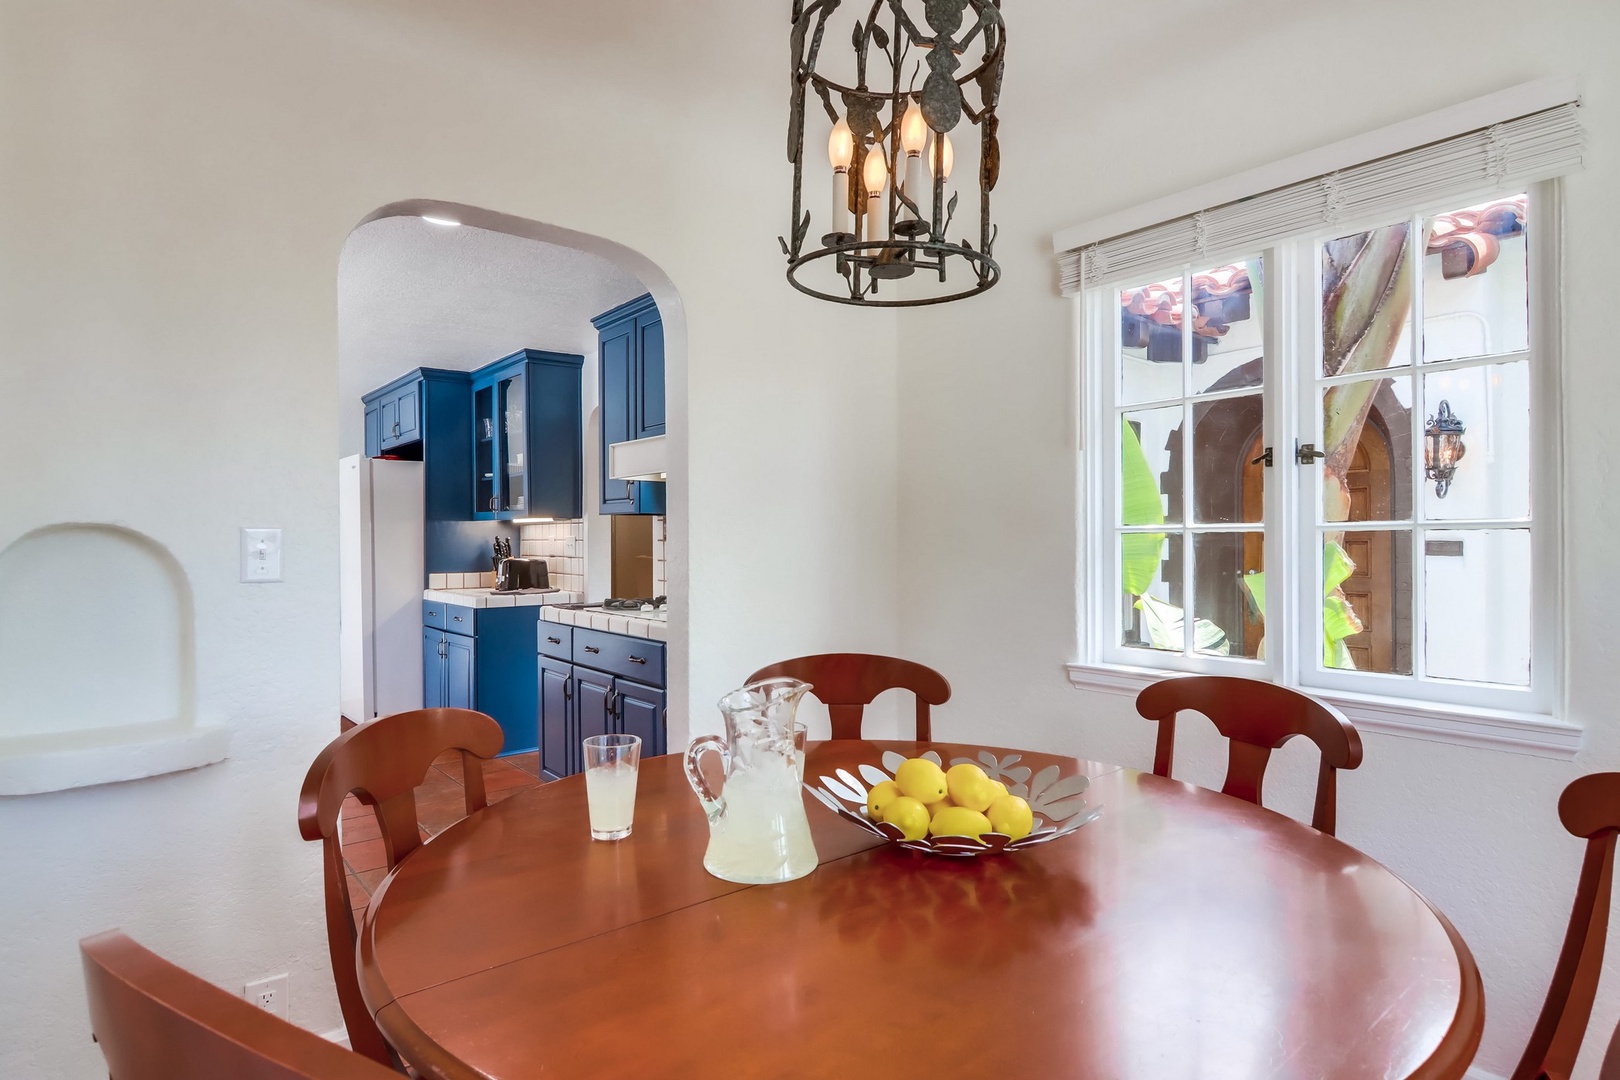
713,804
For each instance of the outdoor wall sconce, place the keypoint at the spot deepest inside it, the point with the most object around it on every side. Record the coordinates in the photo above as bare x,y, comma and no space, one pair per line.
891,152
1442,448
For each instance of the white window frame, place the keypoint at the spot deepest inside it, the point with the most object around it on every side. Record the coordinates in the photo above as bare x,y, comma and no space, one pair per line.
1527,719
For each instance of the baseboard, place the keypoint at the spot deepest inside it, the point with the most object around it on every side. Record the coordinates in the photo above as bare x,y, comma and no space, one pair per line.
341,1037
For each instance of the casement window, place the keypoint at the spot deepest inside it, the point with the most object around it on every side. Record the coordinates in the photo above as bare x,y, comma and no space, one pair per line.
1321,437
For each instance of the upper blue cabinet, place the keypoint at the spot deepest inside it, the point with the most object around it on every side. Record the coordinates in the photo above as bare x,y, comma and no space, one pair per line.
394,414
527,437
630,341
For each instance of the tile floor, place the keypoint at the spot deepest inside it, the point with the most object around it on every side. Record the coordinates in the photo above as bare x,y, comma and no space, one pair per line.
440,803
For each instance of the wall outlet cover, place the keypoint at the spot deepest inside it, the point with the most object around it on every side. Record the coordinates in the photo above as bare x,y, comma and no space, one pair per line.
269,994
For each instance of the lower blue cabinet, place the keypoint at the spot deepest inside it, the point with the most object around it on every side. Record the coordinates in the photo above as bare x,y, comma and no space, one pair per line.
483,669
578,699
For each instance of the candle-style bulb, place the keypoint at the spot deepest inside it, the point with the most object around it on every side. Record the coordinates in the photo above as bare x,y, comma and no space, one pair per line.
841,145
913,130
950,157
876,171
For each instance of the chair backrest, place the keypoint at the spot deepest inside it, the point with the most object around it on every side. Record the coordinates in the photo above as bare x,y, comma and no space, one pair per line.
1589,808
847,682
1256,718
155,1021
382,762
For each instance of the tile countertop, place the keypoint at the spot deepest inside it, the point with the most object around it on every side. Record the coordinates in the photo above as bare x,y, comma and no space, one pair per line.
487,598
631,623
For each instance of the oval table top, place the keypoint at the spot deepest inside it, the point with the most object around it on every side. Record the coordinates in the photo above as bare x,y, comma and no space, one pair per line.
1184,934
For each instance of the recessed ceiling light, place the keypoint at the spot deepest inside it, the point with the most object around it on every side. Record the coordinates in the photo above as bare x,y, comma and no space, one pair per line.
447,222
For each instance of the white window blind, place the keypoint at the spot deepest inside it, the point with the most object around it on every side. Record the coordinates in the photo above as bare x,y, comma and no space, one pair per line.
1514,153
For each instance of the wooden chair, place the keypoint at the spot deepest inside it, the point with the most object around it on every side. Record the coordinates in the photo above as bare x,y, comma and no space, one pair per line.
1589,808
1256,717
847,682
155,1021
382,762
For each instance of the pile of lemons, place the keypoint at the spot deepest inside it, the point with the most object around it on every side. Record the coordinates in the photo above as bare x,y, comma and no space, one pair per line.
926,800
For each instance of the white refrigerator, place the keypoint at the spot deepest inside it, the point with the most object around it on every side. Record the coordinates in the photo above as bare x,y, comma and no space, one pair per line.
382,576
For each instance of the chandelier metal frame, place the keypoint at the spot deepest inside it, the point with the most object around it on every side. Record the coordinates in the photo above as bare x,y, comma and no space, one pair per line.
915,237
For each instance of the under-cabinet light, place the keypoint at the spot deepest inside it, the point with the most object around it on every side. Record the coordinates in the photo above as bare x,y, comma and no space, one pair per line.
446,222
532,521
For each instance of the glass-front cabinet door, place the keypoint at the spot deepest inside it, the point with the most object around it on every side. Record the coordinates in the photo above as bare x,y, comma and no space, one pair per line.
514,439
485,500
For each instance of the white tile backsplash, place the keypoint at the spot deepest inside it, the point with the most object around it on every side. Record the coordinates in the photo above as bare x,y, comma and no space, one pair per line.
562,545
660,570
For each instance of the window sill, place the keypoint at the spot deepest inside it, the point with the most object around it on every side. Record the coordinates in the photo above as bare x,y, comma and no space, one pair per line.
1490,729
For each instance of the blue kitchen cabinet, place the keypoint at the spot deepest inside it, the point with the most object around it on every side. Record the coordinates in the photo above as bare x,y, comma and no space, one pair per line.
426,415
639,710
630,349
596,683
478,658
528,437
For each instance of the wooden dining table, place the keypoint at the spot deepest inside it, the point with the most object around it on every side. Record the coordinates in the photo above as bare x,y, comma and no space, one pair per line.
1183,934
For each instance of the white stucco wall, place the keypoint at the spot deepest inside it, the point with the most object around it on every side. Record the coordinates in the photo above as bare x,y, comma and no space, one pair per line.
1103,110
179,178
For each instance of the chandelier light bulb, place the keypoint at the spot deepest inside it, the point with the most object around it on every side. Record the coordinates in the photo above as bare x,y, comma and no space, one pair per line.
913,129
841,145
876,171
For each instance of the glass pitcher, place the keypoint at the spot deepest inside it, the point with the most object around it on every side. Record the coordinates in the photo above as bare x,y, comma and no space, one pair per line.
758,833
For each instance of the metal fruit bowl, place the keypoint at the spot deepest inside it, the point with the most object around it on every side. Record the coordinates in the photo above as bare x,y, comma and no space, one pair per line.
1053,799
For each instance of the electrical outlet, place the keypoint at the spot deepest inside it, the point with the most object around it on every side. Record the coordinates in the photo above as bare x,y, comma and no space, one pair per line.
269,994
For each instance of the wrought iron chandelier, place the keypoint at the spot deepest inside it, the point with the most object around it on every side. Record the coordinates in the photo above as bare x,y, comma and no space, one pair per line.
890,148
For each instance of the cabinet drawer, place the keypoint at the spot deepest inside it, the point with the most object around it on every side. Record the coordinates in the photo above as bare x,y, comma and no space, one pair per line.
634,658
433,614
460,620
556,640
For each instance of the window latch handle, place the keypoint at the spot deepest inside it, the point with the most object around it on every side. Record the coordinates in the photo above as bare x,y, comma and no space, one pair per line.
1265,457
1308,453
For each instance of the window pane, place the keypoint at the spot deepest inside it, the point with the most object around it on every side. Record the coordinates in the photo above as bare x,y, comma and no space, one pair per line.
1229,593
1477,442
1150,342
1228,486
1150,569
1476,290
1150,467
1366,301
1367,435
1476,605
1366,601
1228,327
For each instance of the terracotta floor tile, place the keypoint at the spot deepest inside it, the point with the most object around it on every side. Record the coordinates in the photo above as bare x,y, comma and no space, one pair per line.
529,763
367,855
370,879
356,830
440,810
449,763
507,777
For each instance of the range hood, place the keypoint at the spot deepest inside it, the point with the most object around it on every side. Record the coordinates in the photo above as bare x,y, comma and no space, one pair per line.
638,459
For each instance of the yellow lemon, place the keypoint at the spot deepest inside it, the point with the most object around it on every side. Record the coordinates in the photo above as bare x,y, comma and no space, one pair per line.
1010,816
921,779
943,804
959,821
969,786
879,797
1001,789
908,815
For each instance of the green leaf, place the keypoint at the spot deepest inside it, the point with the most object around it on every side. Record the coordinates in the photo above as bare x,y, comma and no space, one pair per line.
1166,626
1140,553
1254,582
1337,566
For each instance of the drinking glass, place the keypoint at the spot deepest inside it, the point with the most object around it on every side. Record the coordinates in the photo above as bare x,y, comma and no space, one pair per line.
611,763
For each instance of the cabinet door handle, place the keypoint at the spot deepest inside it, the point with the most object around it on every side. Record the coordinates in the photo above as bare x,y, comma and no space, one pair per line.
612,703
568,690
456,617
638,660
444,653
592,649
554,640
433,614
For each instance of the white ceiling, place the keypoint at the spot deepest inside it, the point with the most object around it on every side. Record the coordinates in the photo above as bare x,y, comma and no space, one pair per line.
412,294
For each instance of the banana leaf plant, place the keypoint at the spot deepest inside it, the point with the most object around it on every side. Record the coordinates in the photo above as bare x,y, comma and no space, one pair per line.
1141,554
1339,619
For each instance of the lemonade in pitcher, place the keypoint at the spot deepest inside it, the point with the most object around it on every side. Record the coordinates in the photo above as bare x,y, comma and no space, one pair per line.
758,832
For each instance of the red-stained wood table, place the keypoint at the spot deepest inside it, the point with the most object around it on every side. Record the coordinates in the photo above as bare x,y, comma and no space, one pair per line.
1184,934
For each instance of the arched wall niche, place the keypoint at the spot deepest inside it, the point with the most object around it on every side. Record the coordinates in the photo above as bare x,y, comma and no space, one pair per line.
97,661
673,314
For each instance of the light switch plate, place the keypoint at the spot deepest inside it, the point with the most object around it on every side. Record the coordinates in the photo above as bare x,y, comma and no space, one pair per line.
261,555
